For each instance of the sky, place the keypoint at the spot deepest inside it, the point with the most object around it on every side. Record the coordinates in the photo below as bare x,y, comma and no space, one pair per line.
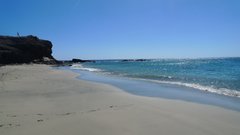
122,29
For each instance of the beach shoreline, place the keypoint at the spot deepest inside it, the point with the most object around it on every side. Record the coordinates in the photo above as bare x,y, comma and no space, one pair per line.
38,99
149,88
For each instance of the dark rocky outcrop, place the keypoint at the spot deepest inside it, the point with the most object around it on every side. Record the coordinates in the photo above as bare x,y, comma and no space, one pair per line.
28,49
70,62
81,61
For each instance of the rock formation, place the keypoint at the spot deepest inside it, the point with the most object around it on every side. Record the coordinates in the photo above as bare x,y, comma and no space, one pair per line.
73,61
28,49
81,61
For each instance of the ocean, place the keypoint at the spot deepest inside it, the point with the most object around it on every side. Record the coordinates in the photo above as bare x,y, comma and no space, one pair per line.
215,75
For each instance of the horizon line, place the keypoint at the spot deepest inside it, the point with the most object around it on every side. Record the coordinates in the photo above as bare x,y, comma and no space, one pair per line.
227,57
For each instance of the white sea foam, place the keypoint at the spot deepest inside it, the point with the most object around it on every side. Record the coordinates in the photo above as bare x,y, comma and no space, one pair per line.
80,67
221,91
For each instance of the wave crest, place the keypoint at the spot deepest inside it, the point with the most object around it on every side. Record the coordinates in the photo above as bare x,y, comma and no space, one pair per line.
221,91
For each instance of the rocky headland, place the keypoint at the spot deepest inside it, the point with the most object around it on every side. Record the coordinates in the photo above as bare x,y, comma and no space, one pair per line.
25,49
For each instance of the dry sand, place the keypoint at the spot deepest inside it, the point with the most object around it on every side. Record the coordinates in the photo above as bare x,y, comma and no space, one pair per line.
38,100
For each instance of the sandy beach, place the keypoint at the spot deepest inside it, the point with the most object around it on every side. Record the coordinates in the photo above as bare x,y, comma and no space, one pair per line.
40,100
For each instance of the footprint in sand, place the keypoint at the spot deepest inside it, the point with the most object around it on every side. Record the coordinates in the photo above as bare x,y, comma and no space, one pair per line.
11,115
65,114
40,120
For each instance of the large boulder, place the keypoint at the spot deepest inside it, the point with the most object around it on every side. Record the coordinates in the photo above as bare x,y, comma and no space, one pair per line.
28,49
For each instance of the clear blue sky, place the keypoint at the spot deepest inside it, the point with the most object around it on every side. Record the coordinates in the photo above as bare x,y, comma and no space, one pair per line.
107,29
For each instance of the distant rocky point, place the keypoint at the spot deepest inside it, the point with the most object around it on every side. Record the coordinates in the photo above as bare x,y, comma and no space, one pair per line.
25,49
70,62
129,60
81,61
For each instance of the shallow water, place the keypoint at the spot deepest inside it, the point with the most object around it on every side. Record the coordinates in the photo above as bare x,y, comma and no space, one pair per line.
158,90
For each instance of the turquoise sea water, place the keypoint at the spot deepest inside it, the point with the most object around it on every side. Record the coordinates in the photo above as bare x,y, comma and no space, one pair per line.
216,75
